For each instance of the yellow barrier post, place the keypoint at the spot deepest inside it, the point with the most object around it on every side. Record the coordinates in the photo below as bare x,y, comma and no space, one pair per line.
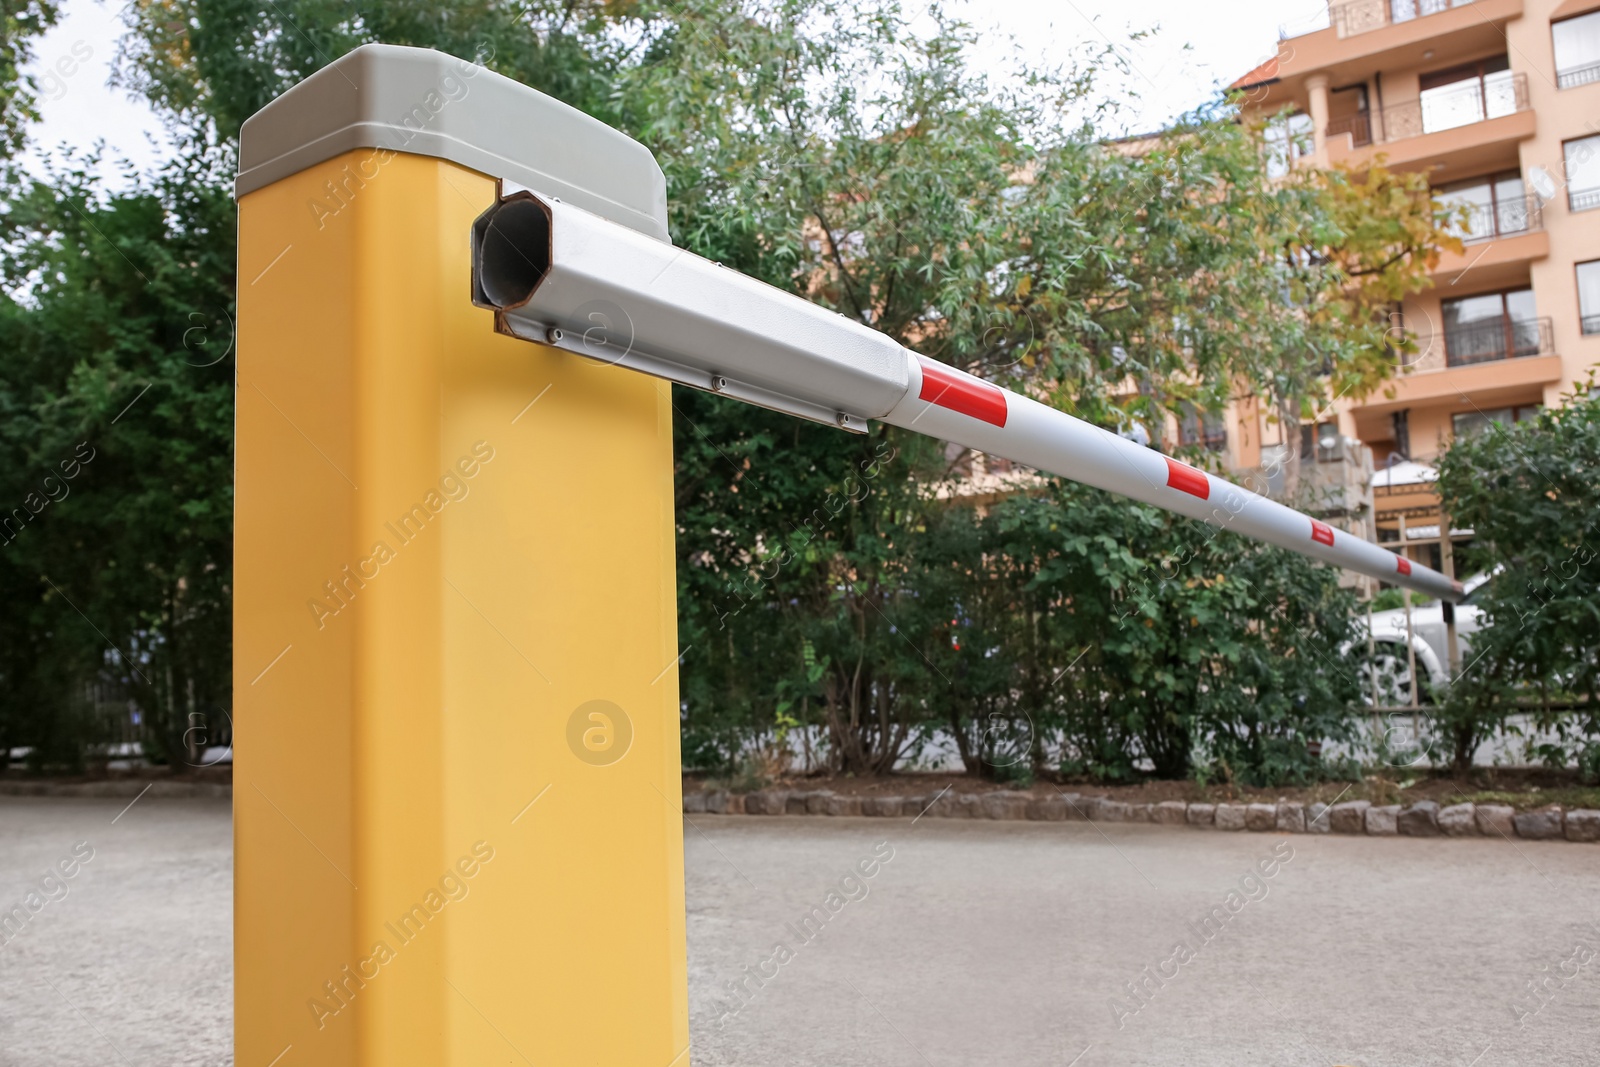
457,781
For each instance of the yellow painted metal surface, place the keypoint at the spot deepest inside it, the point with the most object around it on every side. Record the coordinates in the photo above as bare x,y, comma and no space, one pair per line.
457,790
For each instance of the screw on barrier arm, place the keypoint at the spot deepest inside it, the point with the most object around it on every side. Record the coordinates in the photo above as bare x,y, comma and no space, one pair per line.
561,275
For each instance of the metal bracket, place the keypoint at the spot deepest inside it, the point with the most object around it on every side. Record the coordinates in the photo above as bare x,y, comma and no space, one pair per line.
597,348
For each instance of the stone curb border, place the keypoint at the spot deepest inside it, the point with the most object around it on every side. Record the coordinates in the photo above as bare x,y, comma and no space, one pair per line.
1422,819
122,787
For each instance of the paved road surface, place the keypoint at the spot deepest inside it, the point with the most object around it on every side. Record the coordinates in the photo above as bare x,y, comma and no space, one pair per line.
974,944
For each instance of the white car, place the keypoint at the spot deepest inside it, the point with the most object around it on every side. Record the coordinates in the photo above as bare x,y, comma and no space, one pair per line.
1389,670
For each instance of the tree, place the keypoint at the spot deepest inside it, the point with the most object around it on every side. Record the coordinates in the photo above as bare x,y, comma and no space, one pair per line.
118,388
1372,240
837,153
214,63
833,149
116,334
21,21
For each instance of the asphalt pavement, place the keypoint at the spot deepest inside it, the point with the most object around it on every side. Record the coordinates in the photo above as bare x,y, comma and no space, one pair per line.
834,942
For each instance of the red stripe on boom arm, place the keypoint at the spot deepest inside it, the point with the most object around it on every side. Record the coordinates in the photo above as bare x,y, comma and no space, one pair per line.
962,392
1186,479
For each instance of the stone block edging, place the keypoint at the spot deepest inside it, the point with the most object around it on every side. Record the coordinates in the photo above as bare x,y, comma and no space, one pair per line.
1425,818
117,787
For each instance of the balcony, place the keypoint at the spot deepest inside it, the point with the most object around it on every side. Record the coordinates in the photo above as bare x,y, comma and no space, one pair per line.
1475,126
1367,37
1499,263
1497,339
1493,384
1500,241
1451,110
1358,126
1571,79
1507,218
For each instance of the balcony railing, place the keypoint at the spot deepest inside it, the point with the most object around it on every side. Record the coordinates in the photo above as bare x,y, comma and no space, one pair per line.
1470,104
1358,126
1363,16
1591,324
1451,110
1507,218
1583,199
1571,79
1504,338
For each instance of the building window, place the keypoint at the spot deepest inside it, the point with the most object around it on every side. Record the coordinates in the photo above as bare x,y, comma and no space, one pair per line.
1201,429
1478,329
1472,423
1466,94
1290,139
1589,295
1484,208
1321,441
1577,44
1583,172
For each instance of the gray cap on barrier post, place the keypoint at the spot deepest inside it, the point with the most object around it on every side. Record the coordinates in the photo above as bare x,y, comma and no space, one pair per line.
427,103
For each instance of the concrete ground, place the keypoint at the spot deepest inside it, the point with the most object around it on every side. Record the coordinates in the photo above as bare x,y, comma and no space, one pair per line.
970,944
133,964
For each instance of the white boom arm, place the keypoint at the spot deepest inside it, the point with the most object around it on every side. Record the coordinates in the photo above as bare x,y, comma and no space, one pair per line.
560,275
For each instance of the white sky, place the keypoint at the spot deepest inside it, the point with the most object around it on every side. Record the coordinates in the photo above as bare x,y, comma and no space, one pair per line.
1199,47
79,108
1196,47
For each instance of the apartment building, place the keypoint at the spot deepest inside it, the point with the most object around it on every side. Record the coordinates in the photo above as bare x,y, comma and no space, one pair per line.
1498,103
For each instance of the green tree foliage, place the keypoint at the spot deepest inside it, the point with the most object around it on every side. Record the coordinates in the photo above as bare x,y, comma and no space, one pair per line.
836,150
217,62
844,157
1094,636
1530,494
117,388
20,22
116,342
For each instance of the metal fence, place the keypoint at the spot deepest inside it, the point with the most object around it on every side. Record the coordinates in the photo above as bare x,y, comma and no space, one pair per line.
1503,338
1470,104
1475,103
1358,126
1485,222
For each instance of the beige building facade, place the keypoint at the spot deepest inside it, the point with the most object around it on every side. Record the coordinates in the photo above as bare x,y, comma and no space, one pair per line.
1498,103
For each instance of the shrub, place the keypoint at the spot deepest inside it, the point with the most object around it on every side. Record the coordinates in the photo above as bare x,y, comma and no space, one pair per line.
1530,492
